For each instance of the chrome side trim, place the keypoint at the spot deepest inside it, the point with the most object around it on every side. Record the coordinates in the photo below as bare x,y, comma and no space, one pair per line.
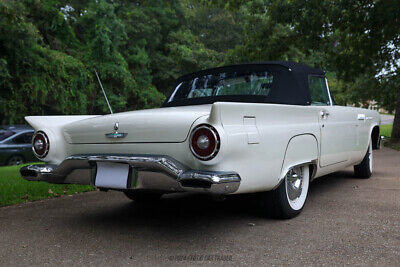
168,169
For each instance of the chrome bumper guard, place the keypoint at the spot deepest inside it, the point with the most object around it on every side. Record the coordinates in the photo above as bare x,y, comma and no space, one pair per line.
152,172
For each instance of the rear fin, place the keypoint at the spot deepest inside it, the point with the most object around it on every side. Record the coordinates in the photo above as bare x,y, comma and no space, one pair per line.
47,122
215,114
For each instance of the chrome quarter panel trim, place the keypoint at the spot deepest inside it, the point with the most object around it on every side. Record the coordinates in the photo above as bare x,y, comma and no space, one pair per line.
154,172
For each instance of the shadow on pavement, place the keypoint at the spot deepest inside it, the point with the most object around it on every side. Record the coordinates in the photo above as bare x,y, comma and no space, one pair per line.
194,211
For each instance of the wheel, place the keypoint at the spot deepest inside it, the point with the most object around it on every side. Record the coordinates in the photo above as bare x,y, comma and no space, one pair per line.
142,196
288,200
364,169
15,160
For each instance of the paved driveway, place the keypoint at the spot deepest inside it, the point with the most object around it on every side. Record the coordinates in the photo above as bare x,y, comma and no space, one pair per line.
346,221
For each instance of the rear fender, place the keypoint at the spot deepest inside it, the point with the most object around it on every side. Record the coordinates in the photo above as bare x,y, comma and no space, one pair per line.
301,150
53,127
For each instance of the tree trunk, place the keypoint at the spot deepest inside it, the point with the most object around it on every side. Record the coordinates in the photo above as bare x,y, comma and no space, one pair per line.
396,124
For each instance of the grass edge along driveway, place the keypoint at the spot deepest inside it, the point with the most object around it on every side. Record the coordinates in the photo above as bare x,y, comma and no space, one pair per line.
386,131
14,189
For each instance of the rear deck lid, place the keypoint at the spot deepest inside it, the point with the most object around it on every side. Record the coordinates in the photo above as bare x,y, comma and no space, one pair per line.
144,126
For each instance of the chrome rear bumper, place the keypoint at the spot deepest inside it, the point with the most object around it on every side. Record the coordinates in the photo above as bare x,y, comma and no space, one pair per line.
152,172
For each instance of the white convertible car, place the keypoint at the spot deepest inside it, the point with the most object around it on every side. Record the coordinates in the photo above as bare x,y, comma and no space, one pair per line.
268,127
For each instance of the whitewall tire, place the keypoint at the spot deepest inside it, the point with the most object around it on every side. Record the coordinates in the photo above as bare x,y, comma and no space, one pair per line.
288,200
365,168
297,182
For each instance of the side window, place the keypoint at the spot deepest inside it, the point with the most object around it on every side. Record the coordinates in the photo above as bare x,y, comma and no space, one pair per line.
319,91
23,139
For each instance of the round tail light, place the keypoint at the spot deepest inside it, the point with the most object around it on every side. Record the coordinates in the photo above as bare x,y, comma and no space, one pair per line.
204,142
40,144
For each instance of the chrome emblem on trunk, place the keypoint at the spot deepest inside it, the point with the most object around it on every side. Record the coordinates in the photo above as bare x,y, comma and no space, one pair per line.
116,134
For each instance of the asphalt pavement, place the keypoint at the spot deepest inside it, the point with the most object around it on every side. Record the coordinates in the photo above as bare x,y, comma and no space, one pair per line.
346,221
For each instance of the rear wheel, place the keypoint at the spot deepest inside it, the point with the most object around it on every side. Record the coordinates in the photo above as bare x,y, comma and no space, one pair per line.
142,196
15,160
288,200
364,169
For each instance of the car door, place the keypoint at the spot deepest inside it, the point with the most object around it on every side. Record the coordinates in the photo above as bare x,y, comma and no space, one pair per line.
337,128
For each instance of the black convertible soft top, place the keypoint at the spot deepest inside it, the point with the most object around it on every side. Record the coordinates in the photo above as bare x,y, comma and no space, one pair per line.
290,84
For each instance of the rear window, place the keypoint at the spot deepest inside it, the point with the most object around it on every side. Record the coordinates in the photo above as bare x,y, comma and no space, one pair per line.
234,83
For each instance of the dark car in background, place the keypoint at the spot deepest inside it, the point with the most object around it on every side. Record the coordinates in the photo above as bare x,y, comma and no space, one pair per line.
16,145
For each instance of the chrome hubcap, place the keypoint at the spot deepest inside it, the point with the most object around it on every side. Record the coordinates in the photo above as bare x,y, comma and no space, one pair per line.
294,183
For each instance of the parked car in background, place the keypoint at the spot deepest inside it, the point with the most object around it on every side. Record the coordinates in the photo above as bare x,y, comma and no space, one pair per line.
268,128
16,145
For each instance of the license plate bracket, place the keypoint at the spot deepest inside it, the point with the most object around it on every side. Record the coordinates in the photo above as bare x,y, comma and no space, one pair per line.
112,175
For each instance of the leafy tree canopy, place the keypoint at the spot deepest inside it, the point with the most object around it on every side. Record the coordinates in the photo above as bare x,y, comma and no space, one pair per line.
49,49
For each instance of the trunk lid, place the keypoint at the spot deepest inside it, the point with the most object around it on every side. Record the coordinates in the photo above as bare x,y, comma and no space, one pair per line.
160,125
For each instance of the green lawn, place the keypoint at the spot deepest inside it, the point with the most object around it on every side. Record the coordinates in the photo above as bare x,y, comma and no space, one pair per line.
386,130
14,189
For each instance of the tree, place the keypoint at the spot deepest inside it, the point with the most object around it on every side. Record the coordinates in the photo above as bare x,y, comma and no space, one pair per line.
34,77
358,40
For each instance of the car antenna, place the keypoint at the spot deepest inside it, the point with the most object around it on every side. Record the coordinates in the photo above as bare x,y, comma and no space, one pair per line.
104,92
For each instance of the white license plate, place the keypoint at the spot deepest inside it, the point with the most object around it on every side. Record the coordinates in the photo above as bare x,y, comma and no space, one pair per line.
112,175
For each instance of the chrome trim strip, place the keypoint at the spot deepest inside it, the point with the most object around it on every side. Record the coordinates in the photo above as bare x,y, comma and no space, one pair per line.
218,182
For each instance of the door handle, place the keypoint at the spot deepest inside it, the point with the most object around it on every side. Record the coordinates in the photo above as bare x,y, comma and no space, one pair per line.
361,117
324,114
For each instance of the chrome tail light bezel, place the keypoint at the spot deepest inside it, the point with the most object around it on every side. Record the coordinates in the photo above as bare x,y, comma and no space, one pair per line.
40,135
215,139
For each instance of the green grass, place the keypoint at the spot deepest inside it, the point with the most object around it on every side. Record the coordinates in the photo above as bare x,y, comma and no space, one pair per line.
386,130
14,189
